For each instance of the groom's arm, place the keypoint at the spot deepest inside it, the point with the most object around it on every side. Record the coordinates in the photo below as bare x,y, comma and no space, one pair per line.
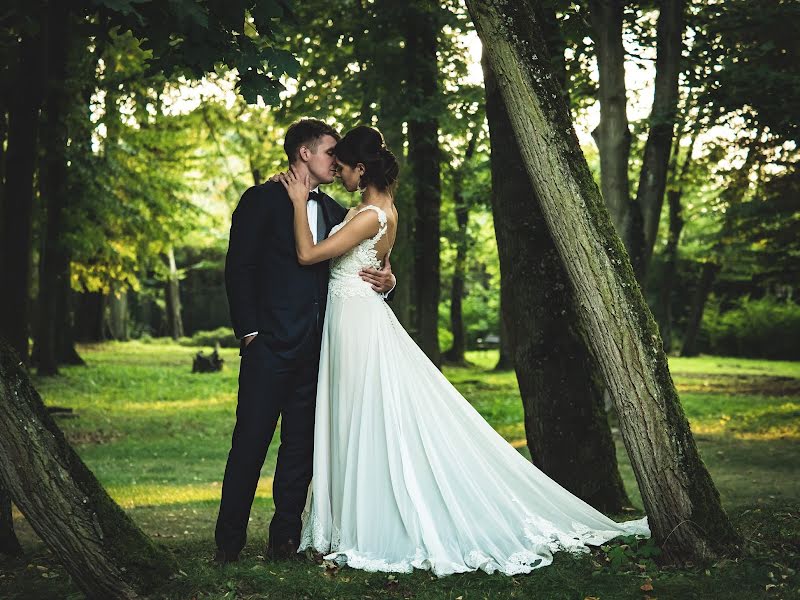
241,262
382,280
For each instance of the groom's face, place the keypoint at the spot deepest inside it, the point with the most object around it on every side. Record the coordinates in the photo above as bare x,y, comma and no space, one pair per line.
322,163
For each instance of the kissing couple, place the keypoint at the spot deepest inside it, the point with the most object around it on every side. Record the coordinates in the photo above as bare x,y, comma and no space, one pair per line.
382,465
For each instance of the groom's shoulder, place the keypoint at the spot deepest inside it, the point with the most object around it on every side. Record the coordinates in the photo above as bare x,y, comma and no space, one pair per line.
260,197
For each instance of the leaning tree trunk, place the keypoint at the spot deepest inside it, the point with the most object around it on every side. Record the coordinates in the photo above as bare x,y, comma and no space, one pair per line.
423,158
16,238
655,162
103,550
561,394
683,506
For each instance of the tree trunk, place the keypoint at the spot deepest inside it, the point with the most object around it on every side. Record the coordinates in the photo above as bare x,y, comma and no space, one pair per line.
23,127
563,402
455,355
653,176
707,277
9,544
682,504
670,265
102,549
402,259
173,298
612,136
53,186
118,314
732,195
423,158
89,317
504,362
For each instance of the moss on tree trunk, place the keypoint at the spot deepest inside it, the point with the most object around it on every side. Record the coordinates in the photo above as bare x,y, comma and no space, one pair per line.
103,550
682,504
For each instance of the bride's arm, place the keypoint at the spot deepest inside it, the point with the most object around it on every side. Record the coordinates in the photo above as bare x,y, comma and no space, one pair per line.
359,228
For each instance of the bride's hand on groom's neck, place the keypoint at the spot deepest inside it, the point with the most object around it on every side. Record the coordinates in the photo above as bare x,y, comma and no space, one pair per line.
297,185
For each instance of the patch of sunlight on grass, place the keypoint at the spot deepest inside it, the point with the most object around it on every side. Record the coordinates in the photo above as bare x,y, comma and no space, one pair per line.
787,432
136,495
177,405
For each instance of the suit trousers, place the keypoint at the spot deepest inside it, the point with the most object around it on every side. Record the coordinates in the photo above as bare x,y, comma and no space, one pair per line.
270,386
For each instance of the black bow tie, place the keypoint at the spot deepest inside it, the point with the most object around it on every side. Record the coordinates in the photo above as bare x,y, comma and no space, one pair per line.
315,196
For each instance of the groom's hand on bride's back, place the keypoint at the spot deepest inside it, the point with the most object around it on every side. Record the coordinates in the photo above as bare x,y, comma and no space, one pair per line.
382,280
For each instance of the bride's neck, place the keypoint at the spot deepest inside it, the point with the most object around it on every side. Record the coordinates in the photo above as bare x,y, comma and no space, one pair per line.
372,195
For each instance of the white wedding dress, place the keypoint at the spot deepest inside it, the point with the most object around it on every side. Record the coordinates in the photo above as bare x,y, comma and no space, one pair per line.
407,474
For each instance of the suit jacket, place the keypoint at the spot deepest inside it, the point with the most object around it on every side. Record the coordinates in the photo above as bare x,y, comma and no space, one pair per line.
268,290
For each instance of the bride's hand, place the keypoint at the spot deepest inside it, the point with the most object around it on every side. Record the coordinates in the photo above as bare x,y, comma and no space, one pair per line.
297,186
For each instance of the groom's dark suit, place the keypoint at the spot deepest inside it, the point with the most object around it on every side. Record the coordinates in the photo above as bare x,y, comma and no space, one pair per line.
270,292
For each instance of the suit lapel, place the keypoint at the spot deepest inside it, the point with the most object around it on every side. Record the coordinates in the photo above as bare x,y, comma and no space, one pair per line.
332,213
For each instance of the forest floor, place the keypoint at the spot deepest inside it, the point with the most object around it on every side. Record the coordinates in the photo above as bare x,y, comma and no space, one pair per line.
157,437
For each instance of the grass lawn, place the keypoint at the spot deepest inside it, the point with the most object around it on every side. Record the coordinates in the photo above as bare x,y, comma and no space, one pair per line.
157,437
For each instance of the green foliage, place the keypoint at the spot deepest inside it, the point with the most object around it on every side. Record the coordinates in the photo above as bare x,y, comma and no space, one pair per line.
764,328
222,336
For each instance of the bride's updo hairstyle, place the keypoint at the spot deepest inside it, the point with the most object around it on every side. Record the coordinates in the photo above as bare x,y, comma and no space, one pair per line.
365,145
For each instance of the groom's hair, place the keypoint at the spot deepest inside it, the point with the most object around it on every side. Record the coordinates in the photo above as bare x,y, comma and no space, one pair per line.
306,132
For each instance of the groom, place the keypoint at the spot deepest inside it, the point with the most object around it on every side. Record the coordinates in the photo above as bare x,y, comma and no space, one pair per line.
277,307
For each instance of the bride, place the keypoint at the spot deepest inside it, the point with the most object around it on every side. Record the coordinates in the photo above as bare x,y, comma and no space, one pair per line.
407,474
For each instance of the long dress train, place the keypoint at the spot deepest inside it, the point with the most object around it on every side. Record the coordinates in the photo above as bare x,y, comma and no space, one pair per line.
407,474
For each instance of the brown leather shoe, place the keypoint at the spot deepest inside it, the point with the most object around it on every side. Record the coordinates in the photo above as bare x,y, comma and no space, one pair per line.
284,551
223,558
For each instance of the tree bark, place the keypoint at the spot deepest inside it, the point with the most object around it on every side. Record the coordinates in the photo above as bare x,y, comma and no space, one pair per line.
563,402
102,549
53,184
423,158
655,162
455,355
173,298
682,504
23,128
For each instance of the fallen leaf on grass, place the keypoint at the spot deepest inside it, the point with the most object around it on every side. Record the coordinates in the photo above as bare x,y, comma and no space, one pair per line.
647,586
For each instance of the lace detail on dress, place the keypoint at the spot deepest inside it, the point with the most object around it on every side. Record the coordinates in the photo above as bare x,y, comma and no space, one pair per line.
344,280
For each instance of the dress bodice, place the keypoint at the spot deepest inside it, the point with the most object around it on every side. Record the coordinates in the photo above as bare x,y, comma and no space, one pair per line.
344,279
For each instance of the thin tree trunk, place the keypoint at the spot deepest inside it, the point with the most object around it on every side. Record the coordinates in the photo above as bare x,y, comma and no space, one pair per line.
670,265
423,158
103,550
563,402
9,544
682,504
23,128
118,314
655,162
504,362
173,298
612,135
732,195
455,355
402,259
701,293
89,317
53,185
